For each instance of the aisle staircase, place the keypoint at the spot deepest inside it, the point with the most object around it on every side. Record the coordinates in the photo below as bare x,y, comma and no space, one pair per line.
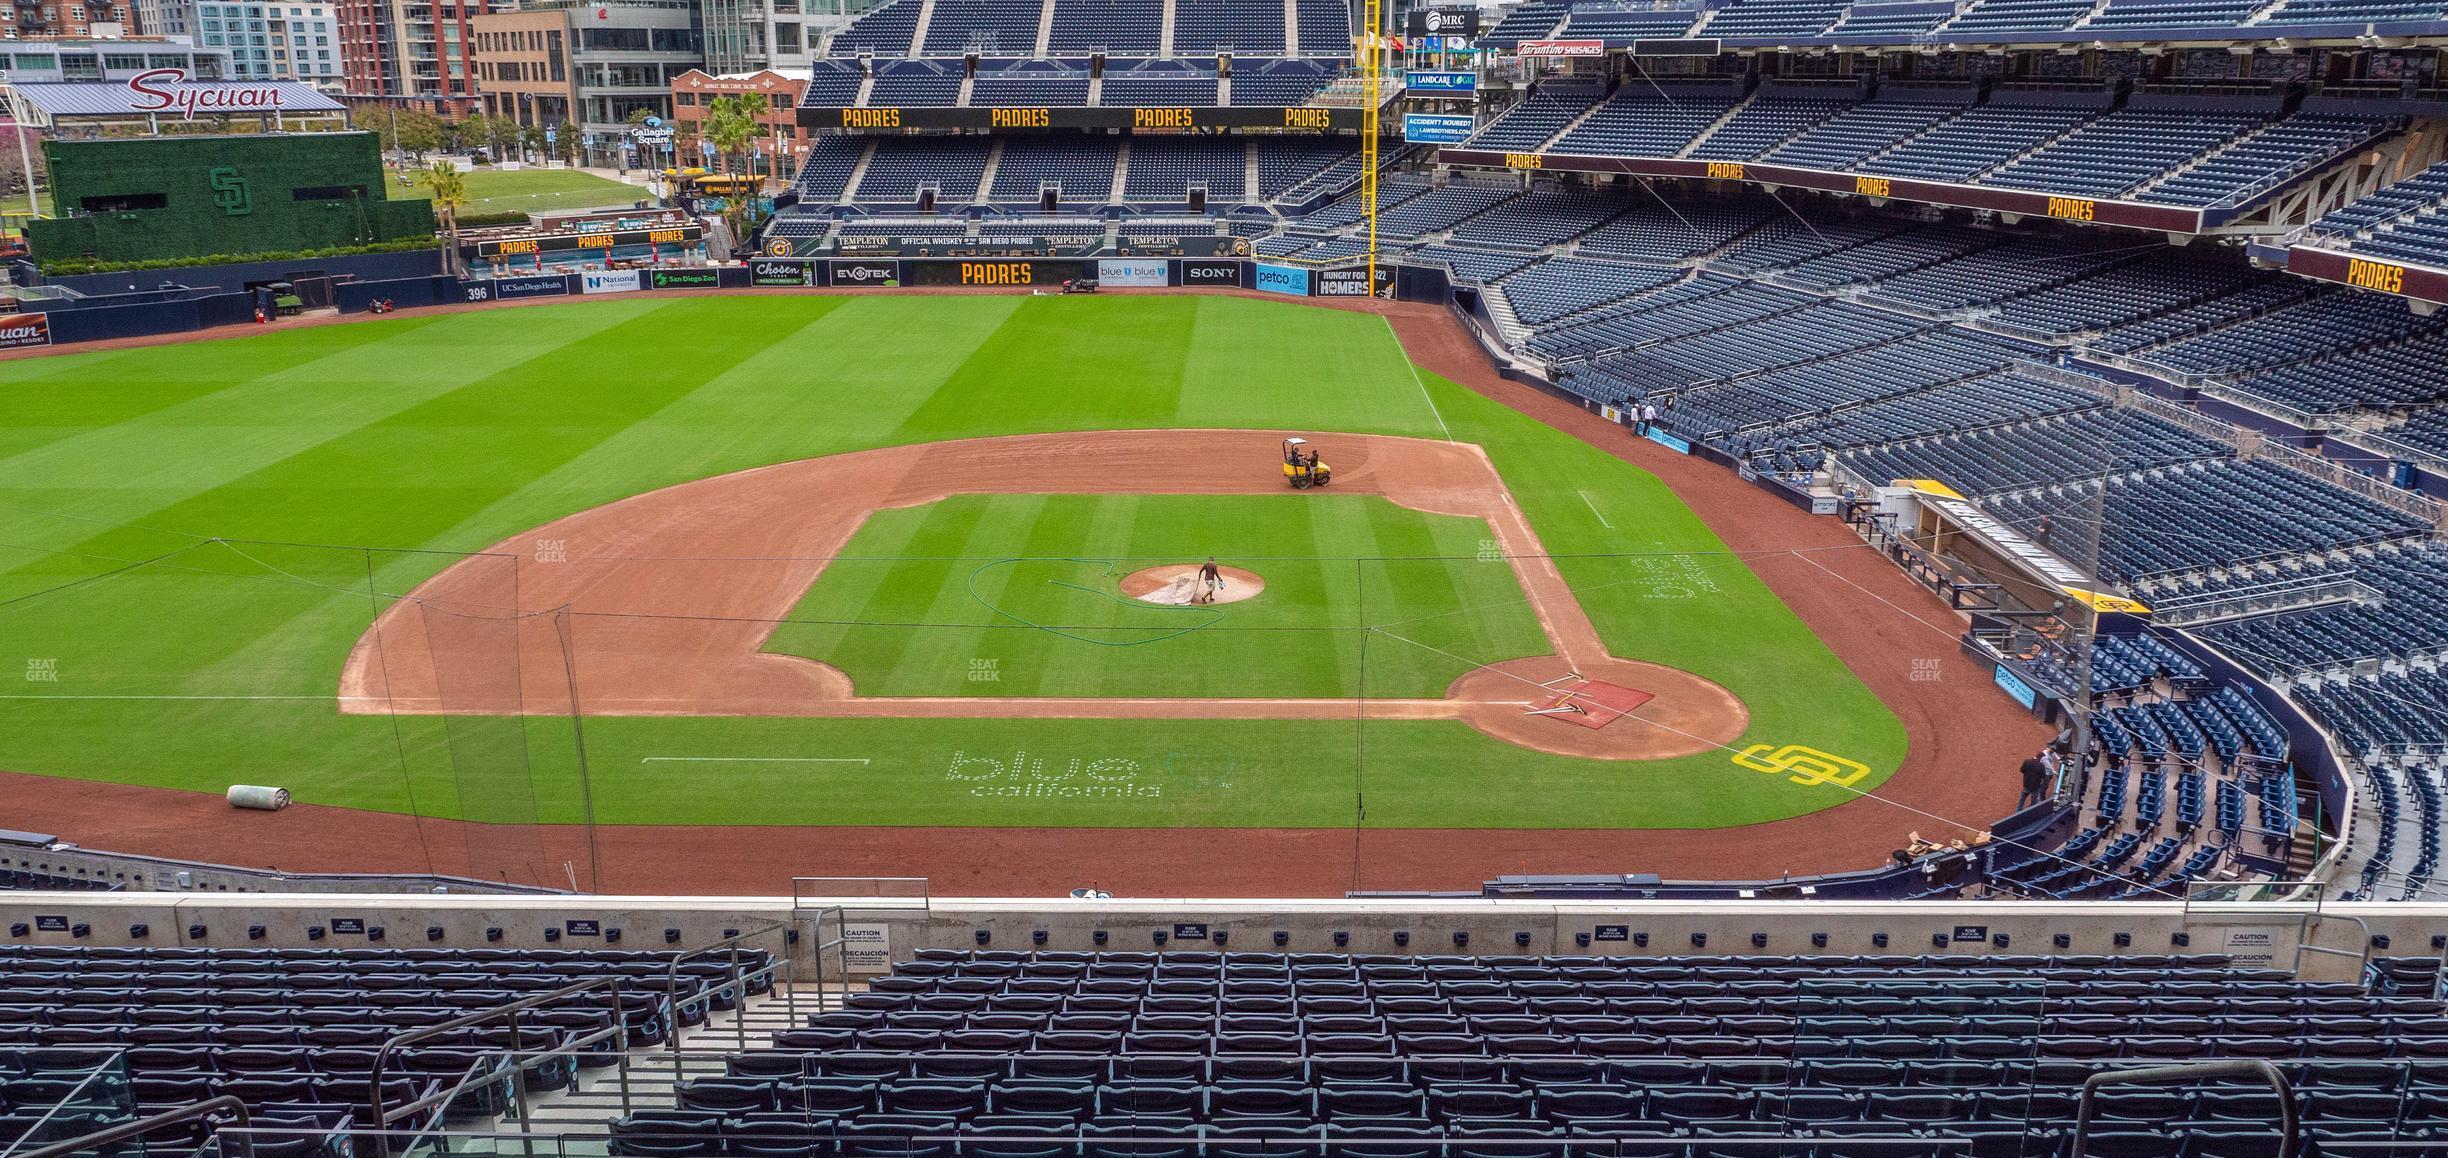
651,1078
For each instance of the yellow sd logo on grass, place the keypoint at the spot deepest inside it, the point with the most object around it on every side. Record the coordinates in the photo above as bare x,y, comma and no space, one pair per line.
1808,767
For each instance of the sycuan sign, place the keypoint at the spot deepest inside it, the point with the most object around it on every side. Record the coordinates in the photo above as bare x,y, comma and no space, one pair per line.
167,90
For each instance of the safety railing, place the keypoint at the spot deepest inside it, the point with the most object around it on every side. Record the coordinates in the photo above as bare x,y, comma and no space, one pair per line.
195,1111
519,1062
740,986
2192,1072
77,1096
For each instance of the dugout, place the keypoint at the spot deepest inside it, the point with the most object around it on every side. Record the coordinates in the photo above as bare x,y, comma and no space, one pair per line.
149,198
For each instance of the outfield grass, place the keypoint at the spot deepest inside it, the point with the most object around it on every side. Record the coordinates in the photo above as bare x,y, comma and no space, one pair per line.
193,536
1016,595
493,190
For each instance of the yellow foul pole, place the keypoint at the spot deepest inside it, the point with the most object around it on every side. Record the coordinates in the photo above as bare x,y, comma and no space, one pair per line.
1371,50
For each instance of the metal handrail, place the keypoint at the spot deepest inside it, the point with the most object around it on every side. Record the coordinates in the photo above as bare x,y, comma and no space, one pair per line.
738,981
142,1126
2162,1075
382,1057
62,1104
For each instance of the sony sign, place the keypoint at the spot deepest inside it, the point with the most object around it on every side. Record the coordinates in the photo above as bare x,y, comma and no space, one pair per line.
162,90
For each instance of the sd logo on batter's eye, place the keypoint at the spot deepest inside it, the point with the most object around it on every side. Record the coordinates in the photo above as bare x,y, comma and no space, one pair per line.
230,193
1805,766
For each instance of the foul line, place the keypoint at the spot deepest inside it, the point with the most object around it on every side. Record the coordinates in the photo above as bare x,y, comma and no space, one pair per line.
1602,519
1416,380
753,760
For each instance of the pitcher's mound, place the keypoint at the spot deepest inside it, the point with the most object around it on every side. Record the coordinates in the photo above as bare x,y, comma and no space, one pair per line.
1174,584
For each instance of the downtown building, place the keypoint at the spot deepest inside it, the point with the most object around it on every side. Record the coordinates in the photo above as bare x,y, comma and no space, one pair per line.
596,66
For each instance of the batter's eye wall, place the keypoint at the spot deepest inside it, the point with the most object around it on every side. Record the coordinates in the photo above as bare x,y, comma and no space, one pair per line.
170,197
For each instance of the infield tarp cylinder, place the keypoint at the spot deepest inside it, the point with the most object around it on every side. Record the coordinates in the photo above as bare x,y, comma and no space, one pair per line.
260,797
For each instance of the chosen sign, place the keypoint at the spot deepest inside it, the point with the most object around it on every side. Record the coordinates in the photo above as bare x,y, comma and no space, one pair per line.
773,272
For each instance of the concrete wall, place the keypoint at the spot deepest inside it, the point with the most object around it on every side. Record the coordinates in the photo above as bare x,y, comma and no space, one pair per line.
2254,932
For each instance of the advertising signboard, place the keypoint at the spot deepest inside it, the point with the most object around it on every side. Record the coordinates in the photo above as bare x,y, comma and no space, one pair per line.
608,281
1425,81
20,330
1211,273
766,271
1143,272
1283,279
1435,128
871,274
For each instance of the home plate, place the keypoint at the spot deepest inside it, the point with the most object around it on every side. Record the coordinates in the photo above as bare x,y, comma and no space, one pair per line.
1592,703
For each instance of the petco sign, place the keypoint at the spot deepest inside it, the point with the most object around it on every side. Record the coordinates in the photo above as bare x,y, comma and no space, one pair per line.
167,90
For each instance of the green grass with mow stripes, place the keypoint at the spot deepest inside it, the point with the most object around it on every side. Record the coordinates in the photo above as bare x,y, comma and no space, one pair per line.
193,536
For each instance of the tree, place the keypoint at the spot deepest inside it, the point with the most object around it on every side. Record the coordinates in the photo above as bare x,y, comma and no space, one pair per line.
505,134
449,188
732,122
565,141
473,131
420,132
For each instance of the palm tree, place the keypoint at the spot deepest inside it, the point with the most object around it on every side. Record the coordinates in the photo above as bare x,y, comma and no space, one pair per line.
449,189
731,122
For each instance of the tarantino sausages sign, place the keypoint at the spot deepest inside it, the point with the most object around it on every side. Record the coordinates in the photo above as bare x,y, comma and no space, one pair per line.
21,330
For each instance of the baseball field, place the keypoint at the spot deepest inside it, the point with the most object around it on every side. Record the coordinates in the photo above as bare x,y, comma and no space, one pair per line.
802,560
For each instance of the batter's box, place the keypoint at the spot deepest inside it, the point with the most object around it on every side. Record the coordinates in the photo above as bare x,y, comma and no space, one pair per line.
1592,703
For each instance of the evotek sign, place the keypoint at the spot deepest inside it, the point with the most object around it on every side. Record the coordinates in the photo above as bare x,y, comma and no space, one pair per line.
20,330
866,273
167,90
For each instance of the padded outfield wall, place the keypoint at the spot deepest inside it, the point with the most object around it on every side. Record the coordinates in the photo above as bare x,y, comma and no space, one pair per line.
170,197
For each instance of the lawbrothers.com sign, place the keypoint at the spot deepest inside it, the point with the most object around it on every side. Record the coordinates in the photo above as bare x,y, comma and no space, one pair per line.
1133,273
